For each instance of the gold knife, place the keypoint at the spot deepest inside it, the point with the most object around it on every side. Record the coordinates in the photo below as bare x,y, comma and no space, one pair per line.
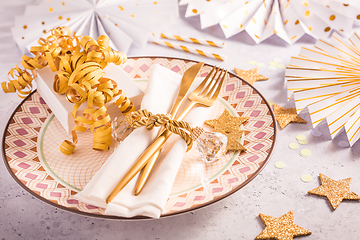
186,82
185,85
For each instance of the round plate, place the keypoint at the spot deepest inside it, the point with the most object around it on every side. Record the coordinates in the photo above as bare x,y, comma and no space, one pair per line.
33,136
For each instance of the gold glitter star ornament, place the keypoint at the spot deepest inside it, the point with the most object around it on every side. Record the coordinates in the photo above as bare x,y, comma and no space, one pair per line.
282,228
284,116
229,126
335,191
251,76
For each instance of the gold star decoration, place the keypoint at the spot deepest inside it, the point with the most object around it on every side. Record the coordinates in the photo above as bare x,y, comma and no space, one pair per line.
282,228
335,191
229,126
251,76
284,116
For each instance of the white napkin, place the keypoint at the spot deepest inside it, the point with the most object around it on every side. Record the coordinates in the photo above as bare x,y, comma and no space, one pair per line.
160,95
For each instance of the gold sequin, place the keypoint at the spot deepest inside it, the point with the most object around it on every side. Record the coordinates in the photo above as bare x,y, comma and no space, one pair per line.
307,13
51,9
194,11
282,228
251,76
25,26
332,18
284,116
335,191
327,29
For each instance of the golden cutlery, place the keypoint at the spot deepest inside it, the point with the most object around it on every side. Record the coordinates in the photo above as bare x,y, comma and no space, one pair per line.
185,85
204,95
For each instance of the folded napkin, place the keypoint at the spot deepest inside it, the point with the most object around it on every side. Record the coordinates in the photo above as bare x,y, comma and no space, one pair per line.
159,97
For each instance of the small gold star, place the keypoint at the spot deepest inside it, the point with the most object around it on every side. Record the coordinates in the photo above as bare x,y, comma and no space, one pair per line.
226,121
282,228
251,76
233,137
229,126
284,116
335,191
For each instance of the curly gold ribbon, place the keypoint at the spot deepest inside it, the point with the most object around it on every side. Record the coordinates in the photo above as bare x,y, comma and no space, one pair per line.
79,63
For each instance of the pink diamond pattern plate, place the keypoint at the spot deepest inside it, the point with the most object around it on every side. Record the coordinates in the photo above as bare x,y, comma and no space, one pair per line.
33,136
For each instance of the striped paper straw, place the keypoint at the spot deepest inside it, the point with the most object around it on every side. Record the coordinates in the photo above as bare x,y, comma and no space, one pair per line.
190,50
193,40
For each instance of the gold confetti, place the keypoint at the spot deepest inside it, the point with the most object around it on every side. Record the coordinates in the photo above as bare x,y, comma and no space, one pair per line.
271,67
25,26
280,164
303,142
335,191
282,228
284,116
229,126
306,178
305,153
293,145
300,137
251,76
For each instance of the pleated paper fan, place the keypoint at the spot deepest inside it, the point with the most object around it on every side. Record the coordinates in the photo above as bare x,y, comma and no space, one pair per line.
124,21
288,19
325,79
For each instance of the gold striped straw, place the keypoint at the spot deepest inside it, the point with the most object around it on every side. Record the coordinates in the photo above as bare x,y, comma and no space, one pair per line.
188,49
193,40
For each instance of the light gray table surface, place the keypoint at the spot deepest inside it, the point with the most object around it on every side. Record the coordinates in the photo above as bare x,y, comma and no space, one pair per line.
273,192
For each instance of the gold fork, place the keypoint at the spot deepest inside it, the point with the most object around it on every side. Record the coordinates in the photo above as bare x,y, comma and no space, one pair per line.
204,95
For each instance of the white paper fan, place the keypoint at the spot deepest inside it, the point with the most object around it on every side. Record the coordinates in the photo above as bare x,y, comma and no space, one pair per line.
326,80
288,19
123,21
